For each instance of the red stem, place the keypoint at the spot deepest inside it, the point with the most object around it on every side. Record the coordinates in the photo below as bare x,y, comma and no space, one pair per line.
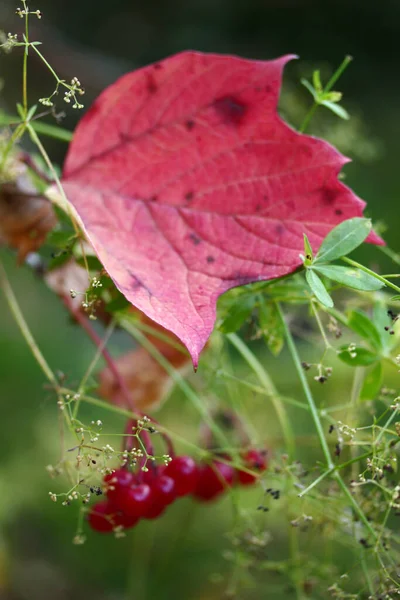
98,342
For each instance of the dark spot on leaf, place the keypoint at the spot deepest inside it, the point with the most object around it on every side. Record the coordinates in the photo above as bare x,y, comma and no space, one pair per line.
305,150
329,196
210,259
195,239
136,284
338,211
153,198
230,109
189,125
279,229
158,66
268,89
258,88
151,85
265,198
189,196
258,207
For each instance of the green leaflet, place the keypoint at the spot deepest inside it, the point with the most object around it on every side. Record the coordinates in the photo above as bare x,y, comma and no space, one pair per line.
318,288
344,238
337,109
363,325
372,383
350,277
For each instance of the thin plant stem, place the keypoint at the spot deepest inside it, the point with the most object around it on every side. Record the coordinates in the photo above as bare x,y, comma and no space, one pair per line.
66,205
318,426
307,391
320,326
25,62
355,506
386,426
365,570
270,389
338,73
100,345
316,482
23,326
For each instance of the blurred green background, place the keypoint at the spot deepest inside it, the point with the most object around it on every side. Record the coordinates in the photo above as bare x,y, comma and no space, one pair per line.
181,557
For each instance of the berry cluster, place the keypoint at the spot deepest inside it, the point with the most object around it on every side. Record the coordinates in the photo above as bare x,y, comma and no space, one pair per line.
216,477
146,495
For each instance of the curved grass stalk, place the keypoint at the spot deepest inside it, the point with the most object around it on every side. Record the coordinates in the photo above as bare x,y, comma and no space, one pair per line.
270,390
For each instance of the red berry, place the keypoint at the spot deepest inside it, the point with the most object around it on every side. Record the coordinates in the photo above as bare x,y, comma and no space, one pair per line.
164,490
124,520
255,460
99,517
115,481
152,474
213,480
134,501
183,470
155,510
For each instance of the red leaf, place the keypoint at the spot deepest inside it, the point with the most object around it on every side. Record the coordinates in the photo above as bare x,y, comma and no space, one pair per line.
188,183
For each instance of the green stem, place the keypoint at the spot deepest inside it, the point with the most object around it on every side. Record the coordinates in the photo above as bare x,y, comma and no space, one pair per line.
338,73
316,482
355,506
319,429
23,326
25,63
269,388
364,567
386,426
308,117
307,391
48,65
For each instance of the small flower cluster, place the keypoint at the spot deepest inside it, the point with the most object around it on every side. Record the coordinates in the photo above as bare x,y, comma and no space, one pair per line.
74,89
23,12
323,373
91,298
8,42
